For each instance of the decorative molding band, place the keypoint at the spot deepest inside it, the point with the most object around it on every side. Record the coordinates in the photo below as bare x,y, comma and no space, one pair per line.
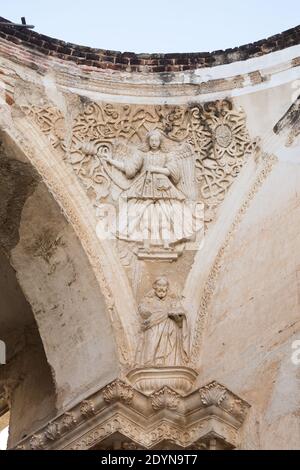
211,412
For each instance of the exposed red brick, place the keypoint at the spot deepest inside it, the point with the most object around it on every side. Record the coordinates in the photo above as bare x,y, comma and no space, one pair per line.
152,63
9,100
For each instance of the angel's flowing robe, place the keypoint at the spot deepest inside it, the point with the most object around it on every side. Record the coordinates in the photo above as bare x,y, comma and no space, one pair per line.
164,342
153,208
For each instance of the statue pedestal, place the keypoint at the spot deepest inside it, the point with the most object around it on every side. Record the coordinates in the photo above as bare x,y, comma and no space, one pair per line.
150,379
158,255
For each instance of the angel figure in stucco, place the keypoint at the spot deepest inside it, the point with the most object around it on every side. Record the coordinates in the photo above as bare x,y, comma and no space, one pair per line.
158,195
164,335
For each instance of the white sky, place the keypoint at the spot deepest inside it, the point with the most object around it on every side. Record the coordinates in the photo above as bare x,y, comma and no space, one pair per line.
156,25
3,438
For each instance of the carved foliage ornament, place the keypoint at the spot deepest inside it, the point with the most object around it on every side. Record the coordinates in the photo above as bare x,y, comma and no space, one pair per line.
144,426
37,442
165,398
210,141
51,122
215,394
87,408
118,390
212,394
52,432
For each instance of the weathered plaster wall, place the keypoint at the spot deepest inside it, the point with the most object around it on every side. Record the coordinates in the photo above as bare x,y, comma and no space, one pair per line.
254,316
32,394
78,290
26,378
46,367
25,381
68,307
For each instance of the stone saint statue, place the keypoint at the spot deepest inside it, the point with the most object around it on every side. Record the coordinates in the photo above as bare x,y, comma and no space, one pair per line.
157,196
164,340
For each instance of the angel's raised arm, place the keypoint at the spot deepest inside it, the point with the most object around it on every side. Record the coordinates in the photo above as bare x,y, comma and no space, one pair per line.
130,164
133,165
116,163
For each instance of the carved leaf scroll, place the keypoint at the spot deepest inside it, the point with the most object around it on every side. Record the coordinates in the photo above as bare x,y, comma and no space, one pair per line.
216,131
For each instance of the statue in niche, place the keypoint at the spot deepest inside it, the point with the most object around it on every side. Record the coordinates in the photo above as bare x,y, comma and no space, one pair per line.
158,207
165,340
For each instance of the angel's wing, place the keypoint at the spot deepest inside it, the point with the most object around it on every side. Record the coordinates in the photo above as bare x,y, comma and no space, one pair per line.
186,160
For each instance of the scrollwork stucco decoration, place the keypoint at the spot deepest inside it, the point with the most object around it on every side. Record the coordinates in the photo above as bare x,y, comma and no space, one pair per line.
209,142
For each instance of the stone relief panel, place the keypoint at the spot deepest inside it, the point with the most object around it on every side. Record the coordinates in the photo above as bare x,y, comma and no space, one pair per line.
221,140
51,122
155,175
157,191
145,177
202,146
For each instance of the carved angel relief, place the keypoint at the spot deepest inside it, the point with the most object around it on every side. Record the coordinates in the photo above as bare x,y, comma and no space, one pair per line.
150,171
154,190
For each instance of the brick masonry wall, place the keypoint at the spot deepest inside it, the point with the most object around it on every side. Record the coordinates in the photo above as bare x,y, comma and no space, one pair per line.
129,61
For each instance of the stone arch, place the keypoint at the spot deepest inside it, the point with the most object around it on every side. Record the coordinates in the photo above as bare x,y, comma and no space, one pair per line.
73,202
26,377
60,333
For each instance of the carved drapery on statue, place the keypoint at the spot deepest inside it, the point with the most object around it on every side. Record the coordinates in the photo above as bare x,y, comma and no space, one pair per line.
156,209
164,339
